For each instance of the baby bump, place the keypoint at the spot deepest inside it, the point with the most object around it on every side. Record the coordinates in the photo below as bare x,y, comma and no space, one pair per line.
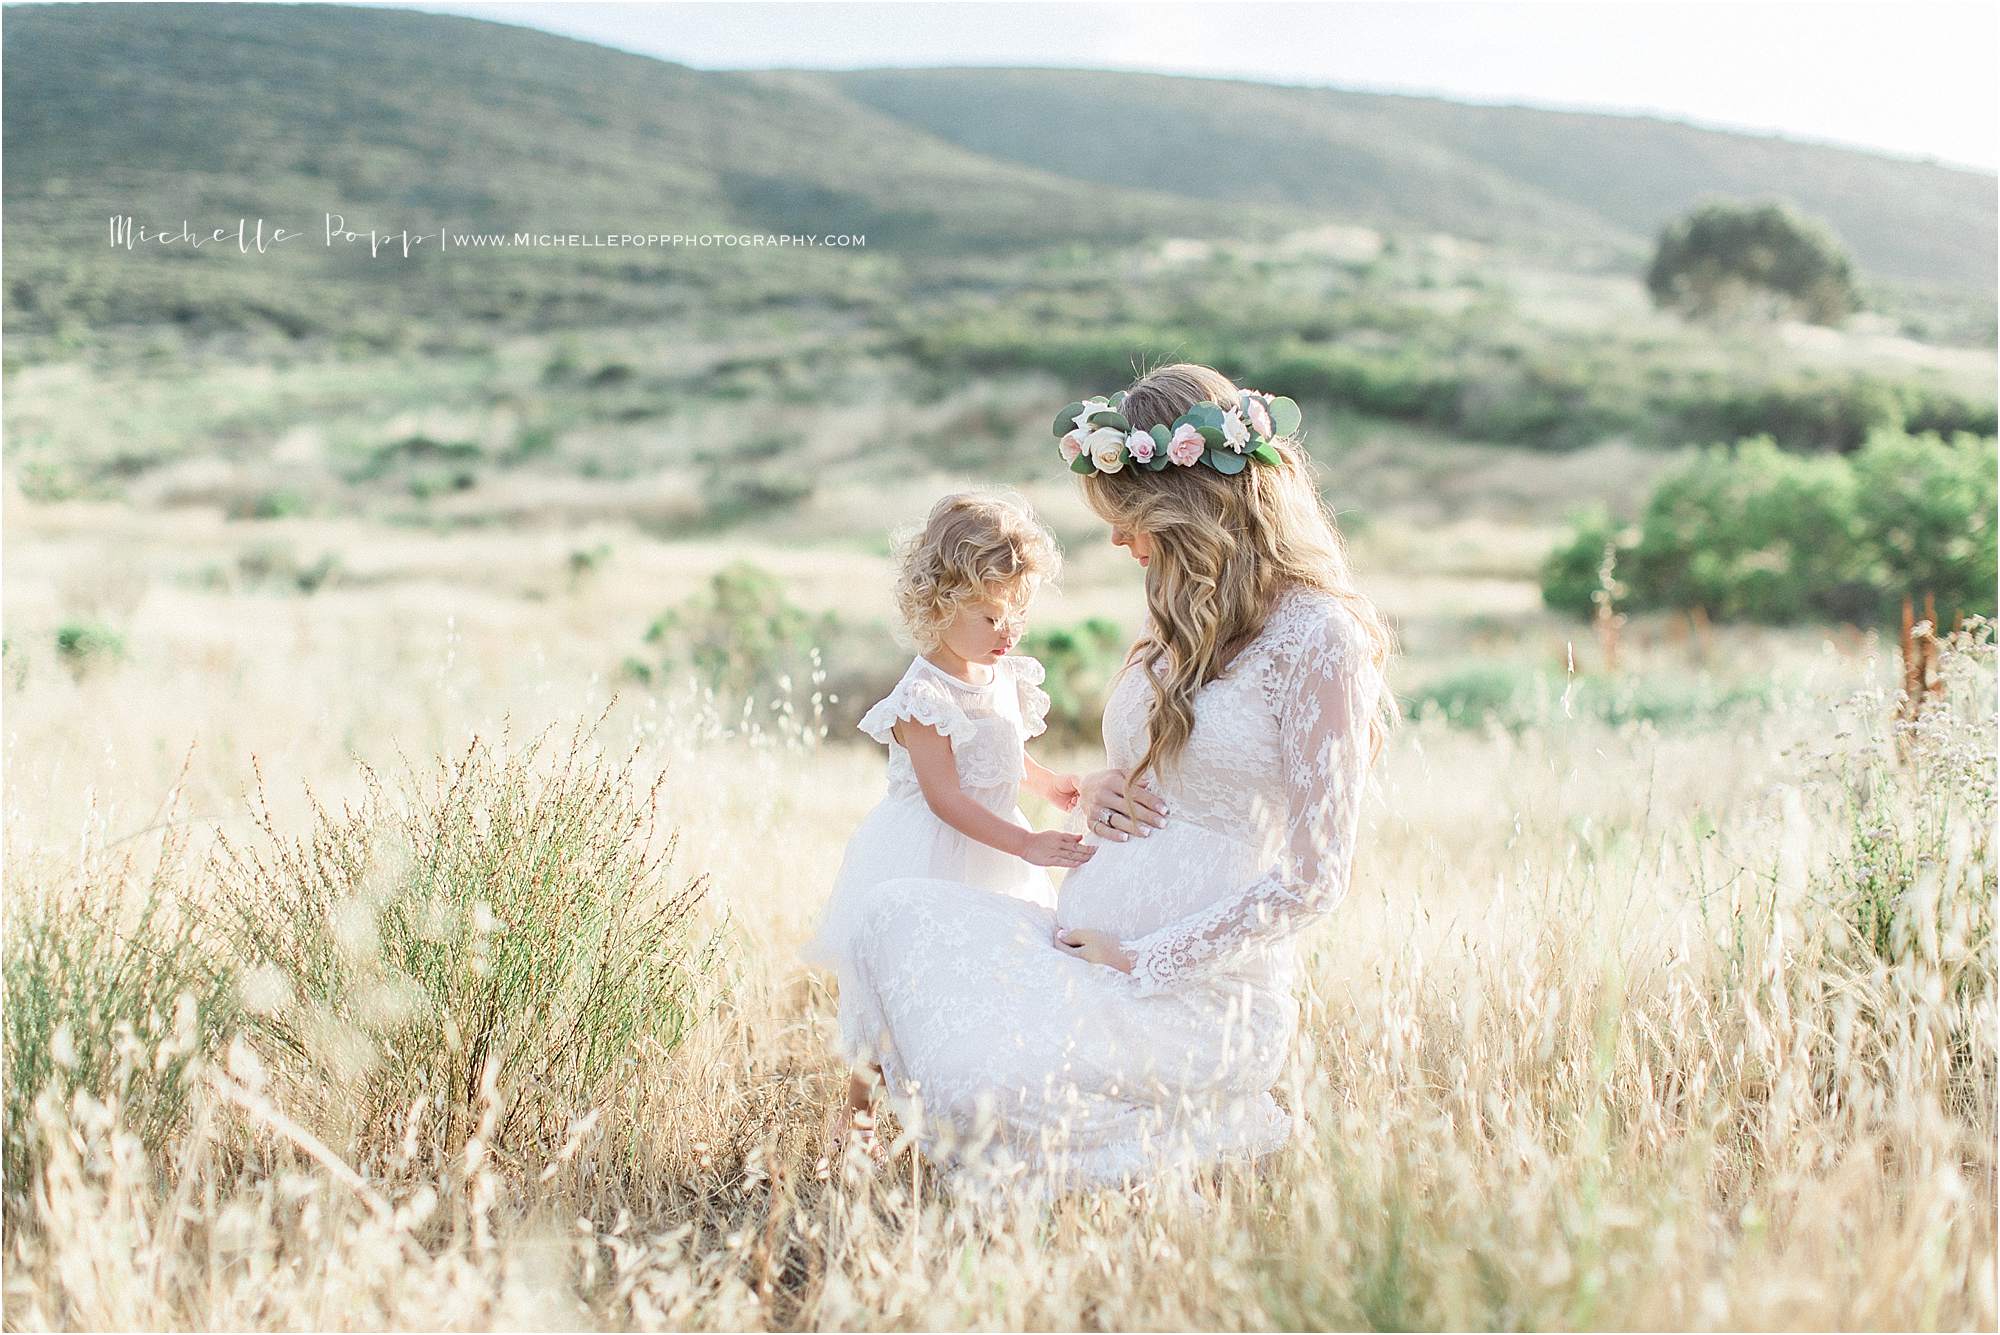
1147,881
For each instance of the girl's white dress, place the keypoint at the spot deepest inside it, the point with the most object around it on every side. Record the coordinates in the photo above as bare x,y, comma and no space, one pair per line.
989,725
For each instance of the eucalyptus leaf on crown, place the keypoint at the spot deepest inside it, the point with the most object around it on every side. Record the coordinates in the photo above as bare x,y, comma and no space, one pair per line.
1096,437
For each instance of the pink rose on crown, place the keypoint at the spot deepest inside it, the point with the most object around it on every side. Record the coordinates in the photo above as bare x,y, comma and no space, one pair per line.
1072,445
1185,447
1234,434
1140,445
1260,418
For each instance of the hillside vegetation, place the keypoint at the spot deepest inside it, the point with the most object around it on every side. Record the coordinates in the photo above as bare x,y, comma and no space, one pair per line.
214,112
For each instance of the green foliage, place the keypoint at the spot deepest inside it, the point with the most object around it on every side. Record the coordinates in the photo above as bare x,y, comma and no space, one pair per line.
83,645
1472,375
279,564
1516,698
1079,662
280,503
1754,534
1572,574
1758,534
516,905
584,562
1915,880
1924,516
104,999
741,637
1815,412
418,454
1725,256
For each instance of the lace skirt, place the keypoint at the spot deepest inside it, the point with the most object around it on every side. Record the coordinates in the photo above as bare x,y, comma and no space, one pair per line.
1017,1064
902,837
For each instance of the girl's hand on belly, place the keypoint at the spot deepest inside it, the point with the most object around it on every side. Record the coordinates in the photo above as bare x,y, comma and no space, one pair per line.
1096,947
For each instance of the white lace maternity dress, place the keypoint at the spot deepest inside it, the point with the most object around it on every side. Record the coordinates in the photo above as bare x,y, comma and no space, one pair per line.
1020,1063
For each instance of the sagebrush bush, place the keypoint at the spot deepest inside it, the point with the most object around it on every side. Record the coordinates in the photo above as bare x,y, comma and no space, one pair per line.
1756,533
741,636
518,905
109,985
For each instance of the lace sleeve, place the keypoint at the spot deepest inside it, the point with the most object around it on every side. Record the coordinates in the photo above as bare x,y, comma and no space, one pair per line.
1028,676
1326,694
921,700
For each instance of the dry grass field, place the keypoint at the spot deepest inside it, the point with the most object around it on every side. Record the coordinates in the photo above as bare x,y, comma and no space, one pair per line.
391,961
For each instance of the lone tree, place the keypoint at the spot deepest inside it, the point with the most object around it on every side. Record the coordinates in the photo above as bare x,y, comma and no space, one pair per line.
1726,259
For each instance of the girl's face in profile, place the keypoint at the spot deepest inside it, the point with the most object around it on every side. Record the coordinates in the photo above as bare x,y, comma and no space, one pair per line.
986,630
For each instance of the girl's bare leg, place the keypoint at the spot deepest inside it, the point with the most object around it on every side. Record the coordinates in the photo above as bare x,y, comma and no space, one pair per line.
861,1087
855,1123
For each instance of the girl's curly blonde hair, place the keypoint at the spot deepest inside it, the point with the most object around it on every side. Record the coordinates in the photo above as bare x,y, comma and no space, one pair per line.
974,545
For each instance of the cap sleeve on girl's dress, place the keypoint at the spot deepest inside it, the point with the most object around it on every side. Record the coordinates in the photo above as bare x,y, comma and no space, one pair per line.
921,699
1028,675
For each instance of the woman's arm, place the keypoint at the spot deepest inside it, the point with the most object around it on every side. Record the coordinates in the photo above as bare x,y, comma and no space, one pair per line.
1324,705
937,775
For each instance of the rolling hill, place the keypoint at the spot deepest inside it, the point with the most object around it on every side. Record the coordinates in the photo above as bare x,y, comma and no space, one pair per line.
1548,180
398,119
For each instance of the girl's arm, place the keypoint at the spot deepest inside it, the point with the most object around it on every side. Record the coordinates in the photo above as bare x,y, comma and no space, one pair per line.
937,776
1060,789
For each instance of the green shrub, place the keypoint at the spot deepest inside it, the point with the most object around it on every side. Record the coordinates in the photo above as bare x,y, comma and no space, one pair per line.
278,563
741,637
1924,510
1080,662
1756,533
1727,253
279,504
1572,574
83,645
514,907
107,999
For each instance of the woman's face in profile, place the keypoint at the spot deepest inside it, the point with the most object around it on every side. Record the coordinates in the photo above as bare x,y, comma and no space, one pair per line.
1138,544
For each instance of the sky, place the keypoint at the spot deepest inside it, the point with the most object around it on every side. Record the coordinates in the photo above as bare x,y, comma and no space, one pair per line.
1915,78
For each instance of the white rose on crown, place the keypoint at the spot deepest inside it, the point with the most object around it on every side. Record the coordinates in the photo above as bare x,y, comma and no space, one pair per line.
1234,434
1090,406
1104,444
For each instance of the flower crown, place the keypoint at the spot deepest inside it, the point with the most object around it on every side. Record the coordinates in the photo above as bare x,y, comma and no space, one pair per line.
1097,438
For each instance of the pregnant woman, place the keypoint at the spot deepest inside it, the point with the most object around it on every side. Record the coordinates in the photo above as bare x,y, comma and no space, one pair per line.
1142,1026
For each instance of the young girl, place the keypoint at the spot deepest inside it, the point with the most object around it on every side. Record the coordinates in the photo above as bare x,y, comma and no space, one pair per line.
956,726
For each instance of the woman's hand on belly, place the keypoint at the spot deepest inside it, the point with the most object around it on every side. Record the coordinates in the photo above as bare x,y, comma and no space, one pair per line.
1105,795
1096,947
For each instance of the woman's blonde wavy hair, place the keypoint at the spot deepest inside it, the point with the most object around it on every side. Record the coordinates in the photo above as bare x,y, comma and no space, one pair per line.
1223,548
974,545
